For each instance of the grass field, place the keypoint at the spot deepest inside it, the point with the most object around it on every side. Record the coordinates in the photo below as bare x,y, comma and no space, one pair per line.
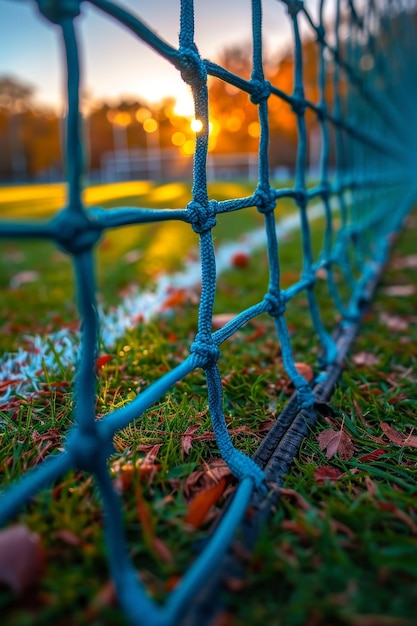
340,550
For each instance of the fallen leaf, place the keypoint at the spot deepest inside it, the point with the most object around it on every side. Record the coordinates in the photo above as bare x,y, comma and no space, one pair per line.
372,456
154,543
394,322
5,384
365,358
326,472
399,438
202,479
336,442
187,439
202,503
175,299
305,370
101,361
21,557
400,291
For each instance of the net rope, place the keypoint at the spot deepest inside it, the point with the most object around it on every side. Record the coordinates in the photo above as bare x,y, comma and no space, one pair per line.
366,176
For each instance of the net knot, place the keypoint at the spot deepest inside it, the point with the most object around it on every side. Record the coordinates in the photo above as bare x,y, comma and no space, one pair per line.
205,347
305,397
309,276
298,105
88,449
57,10
261,90
76,232
202,217
276,303
192,68
300,197
294,6
243,467
265,200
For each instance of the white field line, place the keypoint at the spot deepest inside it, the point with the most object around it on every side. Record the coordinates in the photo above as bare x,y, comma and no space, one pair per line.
22,372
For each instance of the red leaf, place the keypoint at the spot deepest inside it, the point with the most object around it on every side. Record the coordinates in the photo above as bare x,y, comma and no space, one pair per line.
175,299
21,557
5,384
202,503
372,456
326,472
399,438
336,442
102,360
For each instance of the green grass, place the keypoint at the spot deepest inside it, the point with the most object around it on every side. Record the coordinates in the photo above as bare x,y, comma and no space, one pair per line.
346,558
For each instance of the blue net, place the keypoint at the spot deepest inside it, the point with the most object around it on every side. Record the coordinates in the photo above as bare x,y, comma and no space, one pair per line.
366,178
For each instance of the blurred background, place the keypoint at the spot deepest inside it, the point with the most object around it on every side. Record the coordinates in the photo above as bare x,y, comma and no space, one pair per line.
137,114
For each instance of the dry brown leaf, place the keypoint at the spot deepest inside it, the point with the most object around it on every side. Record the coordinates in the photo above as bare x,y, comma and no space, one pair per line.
202,503
305,370
203,479
336,442
154,543
187,439
394,322
365,358
372,456
326,472
21,557
399,438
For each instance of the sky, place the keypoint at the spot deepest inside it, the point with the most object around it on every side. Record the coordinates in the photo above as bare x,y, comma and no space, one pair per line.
114,62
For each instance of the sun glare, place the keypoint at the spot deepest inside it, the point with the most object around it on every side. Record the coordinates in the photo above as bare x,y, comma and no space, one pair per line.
196,125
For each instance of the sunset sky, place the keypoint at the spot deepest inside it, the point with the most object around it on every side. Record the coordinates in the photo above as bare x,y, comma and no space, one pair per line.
115,63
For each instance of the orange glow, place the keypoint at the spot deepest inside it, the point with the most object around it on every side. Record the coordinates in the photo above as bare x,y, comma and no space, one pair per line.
188,147
178,139
143,114
212,143
233,124
150,125
196,125
120,118
254,129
